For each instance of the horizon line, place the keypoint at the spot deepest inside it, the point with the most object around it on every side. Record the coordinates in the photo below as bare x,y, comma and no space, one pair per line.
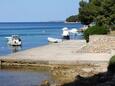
30,21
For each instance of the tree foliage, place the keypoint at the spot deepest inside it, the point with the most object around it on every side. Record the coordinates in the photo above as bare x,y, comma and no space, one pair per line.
101,11
73,18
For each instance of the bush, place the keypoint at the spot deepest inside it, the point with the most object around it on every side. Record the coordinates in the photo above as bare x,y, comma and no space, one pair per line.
95,30
111,66
113,28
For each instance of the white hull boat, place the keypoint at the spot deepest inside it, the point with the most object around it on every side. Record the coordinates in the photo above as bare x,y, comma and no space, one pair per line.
14,40
54,40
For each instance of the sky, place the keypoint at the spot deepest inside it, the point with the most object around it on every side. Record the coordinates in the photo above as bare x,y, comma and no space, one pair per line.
37,10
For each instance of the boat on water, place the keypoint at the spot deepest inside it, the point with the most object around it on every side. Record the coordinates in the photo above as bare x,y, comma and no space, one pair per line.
14,40
54,40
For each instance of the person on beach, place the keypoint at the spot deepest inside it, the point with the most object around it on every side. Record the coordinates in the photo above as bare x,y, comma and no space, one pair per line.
66,34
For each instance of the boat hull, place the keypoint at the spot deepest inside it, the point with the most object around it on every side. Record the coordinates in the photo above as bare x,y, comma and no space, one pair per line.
54,40
14,41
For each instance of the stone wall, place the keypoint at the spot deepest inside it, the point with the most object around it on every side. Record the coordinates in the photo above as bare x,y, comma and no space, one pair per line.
99,44
102,39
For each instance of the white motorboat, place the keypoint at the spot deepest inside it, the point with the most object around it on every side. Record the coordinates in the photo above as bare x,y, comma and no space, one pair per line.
54,40
14,40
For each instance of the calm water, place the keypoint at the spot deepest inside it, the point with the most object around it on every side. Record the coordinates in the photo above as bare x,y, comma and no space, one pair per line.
32,34
22,78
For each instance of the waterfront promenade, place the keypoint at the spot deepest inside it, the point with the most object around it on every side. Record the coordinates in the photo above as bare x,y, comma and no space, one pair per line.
58,53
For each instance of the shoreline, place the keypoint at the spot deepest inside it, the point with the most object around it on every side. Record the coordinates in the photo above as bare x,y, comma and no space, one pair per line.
59,53
61,73
62,60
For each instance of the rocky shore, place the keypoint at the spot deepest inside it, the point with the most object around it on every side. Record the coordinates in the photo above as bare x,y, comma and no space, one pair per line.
99,44
61,74
67,73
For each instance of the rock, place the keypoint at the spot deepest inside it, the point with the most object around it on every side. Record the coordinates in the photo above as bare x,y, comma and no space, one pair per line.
45,83
87,69
54,84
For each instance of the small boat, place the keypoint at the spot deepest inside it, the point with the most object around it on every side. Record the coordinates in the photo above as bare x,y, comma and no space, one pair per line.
54,40
14,40
73,30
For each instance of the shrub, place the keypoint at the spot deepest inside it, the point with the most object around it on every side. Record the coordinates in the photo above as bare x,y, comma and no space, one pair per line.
95,30
113,28
111,66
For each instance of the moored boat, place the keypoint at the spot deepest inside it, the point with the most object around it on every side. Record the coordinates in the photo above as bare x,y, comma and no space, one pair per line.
54,40
14,40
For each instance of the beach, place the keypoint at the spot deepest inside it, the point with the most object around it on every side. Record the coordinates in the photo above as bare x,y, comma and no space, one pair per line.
59,53
62,59
34,39
67,59
57,43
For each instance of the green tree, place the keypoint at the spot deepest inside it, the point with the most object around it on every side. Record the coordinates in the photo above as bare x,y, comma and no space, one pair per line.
83,12
101,11
106,15
73,18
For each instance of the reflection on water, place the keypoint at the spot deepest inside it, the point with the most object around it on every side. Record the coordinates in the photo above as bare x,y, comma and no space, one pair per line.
22,78
15,49
33,34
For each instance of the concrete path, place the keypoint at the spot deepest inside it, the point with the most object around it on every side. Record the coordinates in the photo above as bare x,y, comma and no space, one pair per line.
59,53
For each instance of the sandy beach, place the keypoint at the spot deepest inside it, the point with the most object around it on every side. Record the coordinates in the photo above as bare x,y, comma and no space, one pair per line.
59,53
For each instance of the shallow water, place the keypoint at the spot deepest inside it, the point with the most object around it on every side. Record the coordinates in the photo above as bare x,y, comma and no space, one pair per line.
22,78
33,34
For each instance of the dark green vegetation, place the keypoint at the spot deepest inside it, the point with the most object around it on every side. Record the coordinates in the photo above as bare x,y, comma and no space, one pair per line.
73,18
100,11
95,30
111,66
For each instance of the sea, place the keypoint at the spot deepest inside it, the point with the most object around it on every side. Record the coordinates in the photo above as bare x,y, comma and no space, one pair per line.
32,34
23,78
